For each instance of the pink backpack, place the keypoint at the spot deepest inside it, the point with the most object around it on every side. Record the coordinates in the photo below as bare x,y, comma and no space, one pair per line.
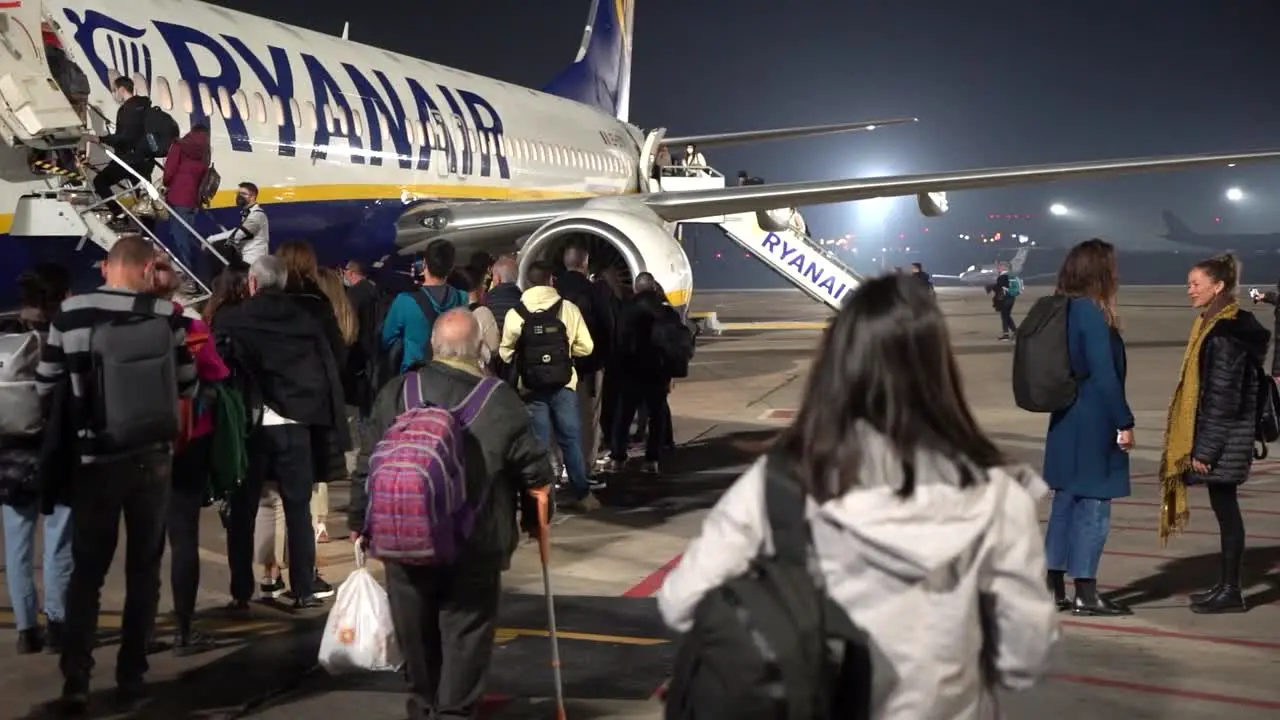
418,509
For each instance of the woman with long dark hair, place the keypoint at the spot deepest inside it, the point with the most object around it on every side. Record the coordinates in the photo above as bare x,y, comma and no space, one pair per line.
1212,423
1086,453
912,514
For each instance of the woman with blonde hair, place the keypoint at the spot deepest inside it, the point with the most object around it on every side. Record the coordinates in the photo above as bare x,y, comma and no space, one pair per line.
1212,424
1086,453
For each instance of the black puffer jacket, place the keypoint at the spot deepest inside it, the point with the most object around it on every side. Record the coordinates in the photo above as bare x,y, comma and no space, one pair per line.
1226,417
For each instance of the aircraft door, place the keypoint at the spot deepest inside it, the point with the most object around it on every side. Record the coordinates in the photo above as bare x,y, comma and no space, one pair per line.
33,109
648,157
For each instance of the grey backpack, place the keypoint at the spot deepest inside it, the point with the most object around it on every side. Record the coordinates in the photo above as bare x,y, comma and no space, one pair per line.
20,409
135,393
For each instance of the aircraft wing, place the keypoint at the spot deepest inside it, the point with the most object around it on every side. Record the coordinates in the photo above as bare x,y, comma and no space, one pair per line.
936,276
477,220
718,139
675,206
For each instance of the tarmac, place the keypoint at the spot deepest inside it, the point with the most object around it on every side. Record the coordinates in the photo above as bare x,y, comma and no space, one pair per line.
745,384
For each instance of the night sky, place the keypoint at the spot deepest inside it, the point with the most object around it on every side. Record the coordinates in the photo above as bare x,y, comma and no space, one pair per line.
994,83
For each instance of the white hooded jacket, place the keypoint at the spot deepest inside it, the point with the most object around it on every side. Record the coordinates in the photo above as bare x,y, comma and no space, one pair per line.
949,583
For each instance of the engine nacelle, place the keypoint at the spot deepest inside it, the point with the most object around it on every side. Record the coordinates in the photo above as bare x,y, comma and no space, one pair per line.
632,239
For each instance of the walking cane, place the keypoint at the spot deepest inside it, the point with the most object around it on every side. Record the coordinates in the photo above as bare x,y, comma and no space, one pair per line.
544,552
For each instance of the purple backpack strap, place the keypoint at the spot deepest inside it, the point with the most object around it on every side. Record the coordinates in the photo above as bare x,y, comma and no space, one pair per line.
470,407
412,391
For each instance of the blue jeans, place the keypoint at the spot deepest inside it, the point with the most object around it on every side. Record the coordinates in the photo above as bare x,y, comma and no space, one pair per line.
20,556
558,410
185,245
1077,532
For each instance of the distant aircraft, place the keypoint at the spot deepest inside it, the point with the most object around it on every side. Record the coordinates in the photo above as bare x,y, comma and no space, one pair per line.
987,274
1180,233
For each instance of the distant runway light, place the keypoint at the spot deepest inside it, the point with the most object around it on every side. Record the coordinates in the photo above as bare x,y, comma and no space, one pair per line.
1235,194
1058,209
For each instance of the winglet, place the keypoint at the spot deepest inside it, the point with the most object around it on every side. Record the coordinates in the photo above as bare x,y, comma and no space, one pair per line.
346,31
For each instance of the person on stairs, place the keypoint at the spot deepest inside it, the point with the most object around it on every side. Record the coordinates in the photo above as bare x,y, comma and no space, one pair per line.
128,141
184,169
1209,439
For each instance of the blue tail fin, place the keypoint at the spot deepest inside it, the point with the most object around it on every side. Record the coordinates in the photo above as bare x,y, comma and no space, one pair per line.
1177,228
601,74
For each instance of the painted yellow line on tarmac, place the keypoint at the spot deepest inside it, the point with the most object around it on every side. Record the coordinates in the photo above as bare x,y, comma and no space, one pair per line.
776,325
508,634
111,620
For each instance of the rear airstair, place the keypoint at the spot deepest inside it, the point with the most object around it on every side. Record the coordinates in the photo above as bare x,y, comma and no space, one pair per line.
35,117
786,248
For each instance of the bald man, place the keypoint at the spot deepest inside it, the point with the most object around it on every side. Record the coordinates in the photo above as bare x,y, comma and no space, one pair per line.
460,599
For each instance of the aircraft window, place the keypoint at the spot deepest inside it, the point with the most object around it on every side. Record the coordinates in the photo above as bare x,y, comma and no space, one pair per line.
357,124
184,96
415,134
140,85
206,99
242,103
310,117
224,102
111,77
260,108
163,96
329,122
295,112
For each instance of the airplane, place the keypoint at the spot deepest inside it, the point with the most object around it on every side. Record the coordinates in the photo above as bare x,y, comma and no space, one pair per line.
1179,232
370,155
986,274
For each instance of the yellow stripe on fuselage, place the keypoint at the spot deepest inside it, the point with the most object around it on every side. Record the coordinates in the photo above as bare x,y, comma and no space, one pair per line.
349,192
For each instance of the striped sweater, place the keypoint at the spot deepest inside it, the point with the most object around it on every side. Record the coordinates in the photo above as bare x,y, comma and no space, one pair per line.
67,350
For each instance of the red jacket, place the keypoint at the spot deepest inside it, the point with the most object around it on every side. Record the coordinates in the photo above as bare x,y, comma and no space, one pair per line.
185,167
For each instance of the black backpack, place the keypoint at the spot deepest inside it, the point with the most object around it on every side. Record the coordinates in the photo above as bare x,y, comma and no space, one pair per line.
1268,413
673,340
542,353
134,401
161,130
1042,377
771,644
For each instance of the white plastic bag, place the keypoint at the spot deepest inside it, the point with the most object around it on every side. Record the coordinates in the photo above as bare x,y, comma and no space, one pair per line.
359,634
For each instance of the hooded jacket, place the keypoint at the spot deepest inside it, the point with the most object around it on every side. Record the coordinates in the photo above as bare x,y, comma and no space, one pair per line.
541,297
1226,416
948,583
184,168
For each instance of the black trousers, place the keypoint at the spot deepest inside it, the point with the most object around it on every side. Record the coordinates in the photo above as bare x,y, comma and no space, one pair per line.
1225,502
136,488
190,486
608,405
281,453
445,620
104,183
653,398
1007,325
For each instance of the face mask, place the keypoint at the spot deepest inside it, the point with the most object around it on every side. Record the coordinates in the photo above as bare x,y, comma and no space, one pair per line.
242,201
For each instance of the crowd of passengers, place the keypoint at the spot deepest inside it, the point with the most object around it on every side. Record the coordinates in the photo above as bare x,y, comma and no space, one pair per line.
307,349
901,482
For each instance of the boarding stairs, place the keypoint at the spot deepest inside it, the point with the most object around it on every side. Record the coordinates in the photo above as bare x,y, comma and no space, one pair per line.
778,238
37,117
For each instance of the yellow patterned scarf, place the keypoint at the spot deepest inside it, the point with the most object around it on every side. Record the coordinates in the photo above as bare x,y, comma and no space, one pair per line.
1180,429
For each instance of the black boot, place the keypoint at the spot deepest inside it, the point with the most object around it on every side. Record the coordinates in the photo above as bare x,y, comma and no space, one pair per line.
1199,597
189,641
1057,581
30,641
1089,602
53,637
1227,597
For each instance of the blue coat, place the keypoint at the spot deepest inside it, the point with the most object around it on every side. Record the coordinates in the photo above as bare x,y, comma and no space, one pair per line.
1080,454
407,324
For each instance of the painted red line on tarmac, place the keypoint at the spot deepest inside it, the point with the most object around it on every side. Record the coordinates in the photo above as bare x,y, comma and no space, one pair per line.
1203,508
1173,635
1235,700
1245,490
653,581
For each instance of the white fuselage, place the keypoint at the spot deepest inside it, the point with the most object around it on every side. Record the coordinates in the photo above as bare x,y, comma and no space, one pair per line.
338,135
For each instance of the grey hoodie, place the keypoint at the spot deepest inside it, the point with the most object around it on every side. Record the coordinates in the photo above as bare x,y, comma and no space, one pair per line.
949,583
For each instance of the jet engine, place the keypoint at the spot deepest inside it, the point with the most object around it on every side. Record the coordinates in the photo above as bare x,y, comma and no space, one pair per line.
624,236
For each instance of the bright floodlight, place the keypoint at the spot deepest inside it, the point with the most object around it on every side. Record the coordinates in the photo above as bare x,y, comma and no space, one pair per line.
1058,209
1235,194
